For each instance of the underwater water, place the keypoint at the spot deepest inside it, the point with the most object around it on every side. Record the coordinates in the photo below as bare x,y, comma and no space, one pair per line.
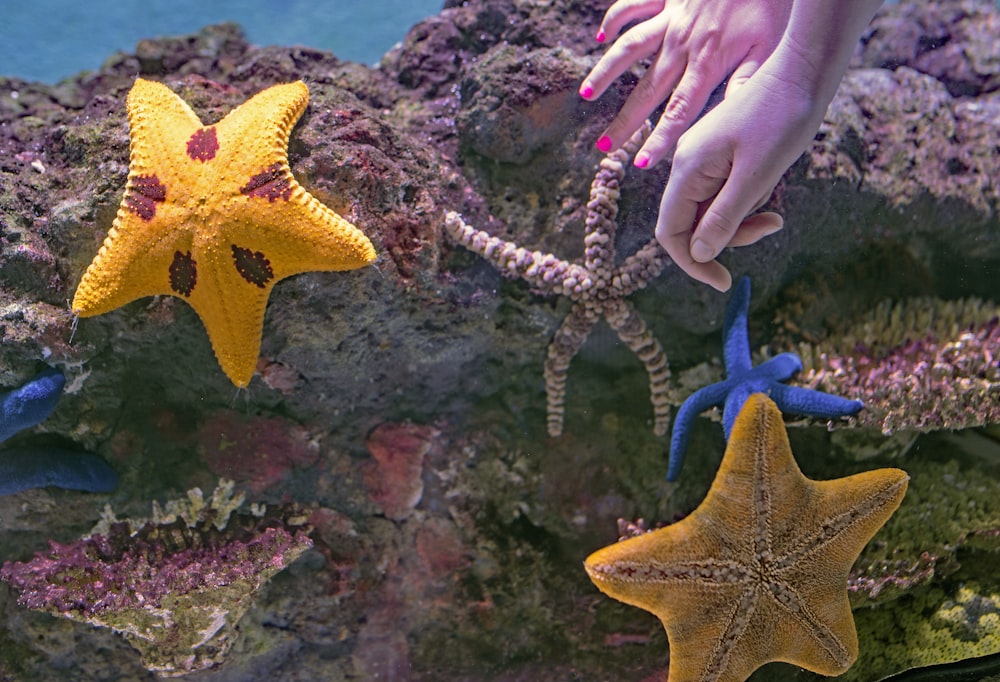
50,40
313,369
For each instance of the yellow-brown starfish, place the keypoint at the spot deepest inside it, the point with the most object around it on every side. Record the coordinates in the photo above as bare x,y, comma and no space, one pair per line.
758,572
212,214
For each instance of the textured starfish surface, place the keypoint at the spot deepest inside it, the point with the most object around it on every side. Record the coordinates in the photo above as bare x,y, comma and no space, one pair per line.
743,379
212,215
30,404
597,287
39,467
758,572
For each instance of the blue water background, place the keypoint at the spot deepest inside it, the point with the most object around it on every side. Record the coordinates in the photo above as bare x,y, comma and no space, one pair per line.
48,40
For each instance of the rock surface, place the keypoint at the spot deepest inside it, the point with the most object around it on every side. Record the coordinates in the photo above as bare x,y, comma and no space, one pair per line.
468,565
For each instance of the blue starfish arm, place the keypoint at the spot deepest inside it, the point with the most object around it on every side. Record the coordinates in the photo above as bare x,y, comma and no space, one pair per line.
735,337
810,403
26,468
734,403
781,367
31,404
696,403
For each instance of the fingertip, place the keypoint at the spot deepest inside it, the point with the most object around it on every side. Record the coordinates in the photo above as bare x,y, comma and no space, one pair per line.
713,273
604,143
600,37
641,160
586,91
702,251
722,282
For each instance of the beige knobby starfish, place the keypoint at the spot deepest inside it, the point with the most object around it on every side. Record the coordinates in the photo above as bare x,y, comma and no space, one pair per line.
758,572
596,286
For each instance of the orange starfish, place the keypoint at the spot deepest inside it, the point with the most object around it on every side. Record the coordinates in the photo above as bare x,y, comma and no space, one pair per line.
213,215
758,572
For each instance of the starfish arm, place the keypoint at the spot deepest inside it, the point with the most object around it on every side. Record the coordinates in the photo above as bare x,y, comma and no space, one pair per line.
811,403
853,509
273,111
133,262
602,208
735,339
27,468
138,248
781,367
696,403
567,341
232,311
542,271
639,269
158,119
735,400
634,333
30,404
297,234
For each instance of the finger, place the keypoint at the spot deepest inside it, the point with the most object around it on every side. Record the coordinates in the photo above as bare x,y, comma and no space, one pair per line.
722,218
624,11
741,74
679,210
683,108
756,227
637,43
652,88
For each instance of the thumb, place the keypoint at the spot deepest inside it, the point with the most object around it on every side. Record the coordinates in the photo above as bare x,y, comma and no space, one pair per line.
722,218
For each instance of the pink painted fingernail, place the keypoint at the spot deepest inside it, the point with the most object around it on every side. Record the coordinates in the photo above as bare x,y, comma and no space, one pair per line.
600,36
586,91
641,160
604,143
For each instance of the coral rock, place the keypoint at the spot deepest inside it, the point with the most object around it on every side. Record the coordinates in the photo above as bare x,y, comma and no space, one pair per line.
394,480
174,589
256,452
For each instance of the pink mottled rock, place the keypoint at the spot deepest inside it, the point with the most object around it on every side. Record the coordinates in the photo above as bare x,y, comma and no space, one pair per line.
394,480
440,548
256,452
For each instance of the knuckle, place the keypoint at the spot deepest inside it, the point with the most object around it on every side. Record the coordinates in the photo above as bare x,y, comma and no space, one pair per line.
645,90
716,229
678,109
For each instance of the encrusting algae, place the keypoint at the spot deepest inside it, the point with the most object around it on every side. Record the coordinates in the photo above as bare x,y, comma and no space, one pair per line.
921,364
174,586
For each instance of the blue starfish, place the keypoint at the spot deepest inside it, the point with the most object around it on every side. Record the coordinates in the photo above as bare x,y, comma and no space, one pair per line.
24,468
31,404
743,379
37,467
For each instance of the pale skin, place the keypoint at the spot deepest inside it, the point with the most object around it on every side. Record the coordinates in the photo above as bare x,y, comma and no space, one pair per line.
784,58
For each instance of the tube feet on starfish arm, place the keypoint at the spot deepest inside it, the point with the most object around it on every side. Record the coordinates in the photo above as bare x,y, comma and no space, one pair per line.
212,215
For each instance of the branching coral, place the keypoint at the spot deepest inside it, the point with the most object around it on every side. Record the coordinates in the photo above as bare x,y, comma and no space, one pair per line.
946,509
921,364
174,587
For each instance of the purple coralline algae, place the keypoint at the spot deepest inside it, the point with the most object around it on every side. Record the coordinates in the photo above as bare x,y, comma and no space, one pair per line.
175,586
921,365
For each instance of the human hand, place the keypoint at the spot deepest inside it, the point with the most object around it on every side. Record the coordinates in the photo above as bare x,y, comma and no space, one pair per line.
727,164
694,45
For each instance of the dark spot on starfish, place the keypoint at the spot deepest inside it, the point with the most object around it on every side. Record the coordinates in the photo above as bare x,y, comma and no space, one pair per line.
183,273
203,144
271,183
142,195
253,266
